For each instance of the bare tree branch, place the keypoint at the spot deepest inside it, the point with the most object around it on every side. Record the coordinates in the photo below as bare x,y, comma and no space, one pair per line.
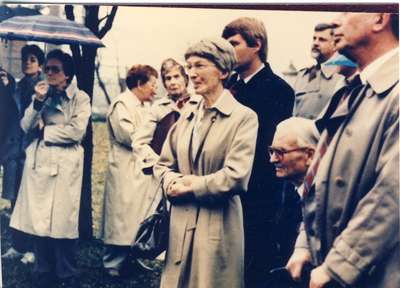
104,18
107,26
101,82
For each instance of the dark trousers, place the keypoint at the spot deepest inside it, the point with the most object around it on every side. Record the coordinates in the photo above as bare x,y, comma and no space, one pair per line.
21,241
55,257
261,249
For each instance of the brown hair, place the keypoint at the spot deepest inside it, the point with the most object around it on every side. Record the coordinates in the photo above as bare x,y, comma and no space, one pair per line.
139,75
251,30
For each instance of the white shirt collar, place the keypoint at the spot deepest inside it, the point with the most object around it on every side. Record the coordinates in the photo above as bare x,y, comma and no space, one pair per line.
375,65
248,78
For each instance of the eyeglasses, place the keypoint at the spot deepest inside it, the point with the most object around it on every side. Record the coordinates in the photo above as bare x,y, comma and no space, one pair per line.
280,153
53,69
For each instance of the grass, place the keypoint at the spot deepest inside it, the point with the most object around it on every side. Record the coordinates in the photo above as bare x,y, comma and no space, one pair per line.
89,255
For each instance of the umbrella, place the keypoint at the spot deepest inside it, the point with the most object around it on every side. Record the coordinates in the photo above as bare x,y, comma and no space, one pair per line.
49,29
341,60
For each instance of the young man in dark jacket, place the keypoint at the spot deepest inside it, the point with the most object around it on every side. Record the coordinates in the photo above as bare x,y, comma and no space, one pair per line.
258,87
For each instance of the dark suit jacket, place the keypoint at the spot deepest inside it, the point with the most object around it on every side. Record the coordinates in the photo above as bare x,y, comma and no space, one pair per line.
272,99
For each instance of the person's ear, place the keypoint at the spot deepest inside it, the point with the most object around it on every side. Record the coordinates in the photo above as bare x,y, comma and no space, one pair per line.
310,155
381,21
224,75
258,45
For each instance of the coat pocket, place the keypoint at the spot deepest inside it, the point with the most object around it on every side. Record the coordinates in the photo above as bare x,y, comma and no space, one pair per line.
215,225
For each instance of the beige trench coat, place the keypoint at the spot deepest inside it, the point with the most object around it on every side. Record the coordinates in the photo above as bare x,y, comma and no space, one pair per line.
142,139
357,191
126,195
206,245
49,197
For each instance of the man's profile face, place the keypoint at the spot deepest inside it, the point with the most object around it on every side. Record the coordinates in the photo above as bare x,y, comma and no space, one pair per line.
351,30
244,53
323,45
293,165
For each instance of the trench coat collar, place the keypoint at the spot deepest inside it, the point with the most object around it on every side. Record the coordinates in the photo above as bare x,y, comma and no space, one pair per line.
71,89
386,76
224,104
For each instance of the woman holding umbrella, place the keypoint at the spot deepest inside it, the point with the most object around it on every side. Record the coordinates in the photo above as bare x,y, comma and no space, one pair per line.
47,205
205,164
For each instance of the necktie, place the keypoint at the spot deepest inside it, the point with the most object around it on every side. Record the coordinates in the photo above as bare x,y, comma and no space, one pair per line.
312,171
353,88
313,72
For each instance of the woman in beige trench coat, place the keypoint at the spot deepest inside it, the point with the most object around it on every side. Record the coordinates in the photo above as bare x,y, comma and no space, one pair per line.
126,187
204,165
48,201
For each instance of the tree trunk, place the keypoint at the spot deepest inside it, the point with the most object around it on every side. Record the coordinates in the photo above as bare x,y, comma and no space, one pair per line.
84,58
86,84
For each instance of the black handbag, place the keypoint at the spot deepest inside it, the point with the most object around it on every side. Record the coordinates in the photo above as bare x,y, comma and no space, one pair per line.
152,237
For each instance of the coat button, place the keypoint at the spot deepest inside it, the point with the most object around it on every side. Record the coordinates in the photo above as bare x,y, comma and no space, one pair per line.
348,132
340,181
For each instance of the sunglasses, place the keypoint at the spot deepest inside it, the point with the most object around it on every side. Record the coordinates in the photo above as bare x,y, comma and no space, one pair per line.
53,69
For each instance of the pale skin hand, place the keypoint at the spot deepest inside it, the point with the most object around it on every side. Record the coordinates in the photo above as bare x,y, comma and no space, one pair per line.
41,89
4,78
296,263
181,187
319,277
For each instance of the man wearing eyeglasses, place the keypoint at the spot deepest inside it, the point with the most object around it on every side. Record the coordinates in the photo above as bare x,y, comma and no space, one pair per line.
291,153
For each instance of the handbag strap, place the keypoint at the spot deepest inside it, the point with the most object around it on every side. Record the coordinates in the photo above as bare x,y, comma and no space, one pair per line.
154,198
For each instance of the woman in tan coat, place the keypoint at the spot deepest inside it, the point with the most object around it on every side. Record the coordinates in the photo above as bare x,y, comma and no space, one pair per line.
48,201
126,188
204,165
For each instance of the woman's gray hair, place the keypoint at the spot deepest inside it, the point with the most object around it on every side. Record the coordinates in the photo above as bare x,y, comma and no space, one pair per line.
217,50
303,129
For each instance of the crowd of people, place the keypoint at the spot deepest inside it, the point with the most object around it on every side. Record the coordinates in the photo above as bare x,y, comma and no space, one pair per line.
258,174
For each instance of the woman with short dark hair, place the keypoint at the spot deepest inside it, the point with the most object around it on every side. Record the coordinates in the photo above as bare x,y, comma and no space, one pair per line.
49,198
126,190
15,142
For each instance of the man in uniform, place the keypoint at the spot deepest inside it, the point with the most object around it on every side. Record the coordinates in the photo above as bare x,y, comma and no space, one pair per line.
315,85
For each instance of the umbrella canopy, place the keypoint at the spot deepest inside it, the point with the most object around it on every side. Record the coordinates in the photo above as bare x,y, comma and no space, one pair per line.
49,29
